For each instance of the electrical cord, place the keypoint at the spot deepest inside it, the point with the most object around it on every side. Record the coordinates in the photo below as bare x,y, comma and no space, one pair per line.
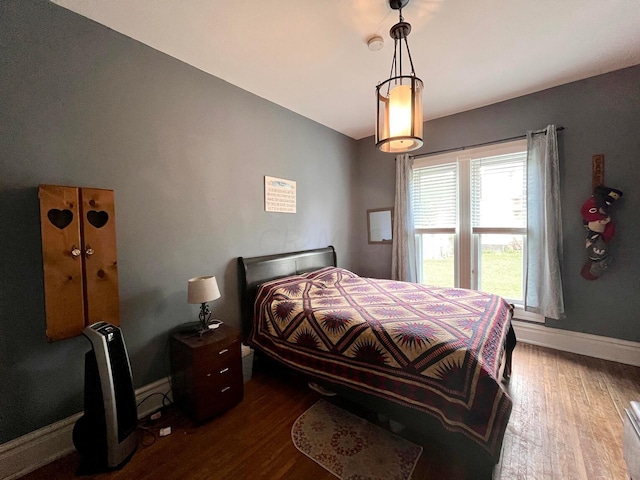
166,401
149,434
144,425
165,398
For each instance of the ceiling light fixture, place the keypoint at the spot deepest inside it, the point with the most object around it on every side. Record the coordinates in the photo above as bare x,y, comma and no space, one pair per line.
399,99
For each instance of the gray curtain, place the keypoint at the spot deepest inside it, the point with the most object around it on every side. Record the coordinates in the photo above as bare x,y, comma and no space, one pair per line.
543,284
403,259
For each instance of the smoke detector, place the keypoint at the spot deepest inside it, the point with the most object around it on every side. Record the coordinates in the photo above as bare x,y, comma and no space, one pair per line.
375,43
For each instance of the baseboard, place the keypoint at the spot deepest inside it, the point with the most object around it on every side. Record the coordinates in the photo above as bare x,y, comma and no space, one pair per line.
622,351
40,447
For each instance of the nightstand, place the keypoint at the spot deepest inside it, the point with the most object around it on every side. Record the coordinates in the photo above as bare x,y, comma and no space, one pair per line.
206,371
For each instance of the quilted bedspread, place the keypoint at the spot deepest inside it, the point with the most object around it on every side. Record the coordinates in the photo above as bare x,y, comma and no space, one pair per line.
437,350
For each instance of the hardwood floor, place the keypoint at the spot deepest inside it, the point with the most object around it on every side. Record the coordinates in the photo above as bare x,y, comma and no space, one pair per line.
567,416
566,424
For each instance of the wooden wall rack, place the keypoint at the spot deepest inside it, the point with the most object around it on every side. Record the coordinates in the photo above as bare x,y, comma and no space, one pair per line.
79,258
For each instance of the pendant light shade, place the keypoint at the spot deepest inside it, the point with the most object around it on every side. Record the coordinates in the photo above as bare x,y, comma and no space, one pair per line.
399,99
399,122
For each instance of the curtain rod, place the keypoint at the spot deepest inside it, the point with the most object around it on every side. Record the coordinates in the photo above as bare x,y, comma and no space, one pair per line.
420,155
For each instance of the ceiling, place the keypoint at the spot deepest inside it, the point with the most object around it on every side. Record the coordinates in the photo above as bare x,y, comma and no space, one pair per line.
311,56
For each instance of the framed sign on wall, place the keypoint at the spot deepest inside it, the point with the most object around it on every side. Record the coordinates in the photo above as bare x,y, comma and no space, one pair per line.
279,195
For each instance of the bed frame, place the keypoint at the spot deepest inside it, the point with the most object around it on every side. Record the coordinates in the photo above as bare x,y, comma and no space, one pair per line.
257,270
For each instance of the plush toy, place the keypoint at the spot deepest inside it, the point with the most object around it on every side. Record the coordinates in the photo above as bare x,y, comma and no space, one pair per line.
600,230
604,198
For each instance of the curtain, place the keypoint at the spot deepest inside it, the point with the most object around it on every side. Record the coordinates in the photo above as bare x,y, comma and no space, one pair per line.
543,284
403,259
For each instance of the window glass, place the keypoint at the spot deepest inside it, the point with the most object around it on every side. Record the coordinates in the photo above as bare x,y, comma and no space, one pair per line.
437,254
501,263
470,217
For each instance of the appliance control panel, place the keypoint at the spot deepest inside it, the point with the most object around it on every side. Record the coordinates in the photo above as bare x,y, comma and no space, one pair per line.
105,329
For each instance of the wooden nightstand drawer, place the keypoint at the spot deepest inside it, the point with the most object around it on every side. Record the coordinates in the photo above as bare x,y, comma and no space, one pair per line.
217,396
207,371
219,378
210,360
218,372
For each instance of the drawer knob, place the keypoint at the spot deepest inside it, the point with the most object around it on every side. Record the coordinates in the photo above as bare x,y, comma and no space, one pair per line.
224,370
222,352
208,374
225,389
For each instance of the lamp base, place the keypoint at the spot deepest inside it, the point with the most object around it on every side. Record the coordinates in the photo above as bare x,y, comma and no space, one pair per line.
207,327
193,329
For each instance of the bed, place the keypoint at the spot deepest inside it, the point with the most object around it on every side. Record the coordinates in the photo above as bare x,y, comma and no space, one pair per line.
428,357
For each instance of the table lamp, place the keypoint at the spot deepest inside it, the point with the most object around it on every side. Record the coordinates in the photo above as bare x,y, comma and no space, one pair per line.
202,290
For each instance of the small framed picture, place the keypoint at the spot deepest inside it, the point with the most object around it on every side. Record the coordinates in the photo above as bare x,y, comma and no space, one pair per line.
279,195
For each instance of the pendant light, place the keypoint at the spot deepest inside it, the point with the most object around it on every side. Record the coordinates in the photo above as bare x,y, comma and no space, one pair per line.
399,99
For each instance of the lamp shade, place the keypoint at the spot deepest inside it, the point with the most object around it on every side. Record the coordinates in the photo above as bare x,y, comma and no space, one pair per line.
202,289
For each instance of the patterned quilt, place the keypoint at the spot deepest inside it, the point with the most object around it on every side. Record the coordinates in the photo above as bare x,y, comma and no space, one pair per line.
437,350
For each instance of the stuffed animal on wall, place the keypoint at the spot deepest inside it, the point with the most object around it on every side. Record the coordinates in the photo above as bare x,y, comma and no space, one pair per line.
600,230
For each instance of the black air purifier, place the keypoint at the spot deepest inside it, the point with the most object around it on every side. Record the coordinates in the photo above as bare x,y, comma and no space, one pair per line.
105,436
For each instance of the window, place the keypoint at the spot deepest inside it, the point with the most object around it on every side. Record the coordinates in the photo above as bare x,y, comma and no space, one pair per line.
470,219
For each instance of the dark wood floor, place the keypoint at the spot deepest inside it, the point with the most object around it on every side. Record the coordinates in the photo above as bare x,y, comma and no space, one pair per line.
566,424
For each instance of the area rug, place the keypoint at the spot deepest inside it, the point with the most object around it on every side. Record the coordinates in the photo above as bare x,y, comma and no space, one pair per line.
351,447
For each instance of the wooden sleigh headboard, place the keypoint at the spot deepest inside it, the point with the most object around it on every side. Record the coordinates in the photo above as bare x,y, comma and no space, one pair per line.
253,271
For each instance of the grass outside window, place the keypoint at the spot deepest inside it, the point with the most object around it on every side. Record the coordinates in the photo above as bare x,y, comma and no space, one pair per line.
501,273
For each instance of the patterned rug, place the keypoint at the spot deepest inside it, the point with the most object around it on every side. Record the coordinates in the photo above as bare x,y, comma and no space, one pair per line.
352,448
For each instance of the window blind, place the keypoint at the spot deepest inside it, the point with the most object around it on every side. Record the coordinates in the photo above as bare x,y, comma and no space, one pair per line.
435,193
499,191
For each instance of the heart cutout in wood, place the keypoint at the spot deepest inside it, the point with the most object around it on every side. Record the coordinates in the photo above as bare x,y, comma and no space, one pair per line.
97,219
60,218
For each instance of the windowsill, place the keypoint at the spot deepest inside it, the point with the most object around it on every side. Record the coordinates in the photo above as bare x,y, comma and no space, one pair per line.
520,314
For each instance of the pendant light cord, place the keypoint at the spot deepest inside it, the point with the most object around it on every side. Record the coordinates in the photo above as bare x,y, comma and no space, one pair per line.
396,63
409,55
400,20
406,42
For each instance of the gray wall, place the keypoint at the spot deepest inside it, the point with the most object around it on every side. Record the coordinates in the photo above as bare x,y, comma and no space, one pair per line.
600,115
185,153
